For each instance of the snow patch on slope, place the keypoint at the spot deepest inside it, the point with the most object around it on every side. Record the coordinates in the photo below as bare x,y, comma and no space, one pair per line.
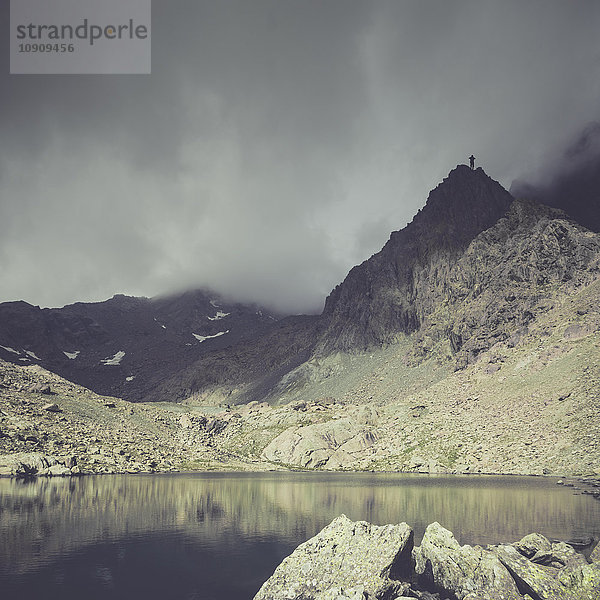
9,349
218,316
201,338
114,360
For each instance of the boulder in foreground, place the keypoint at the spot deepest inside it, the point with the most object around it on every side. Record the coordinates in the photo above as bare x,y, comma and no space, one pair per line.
465,571
358,561
346,559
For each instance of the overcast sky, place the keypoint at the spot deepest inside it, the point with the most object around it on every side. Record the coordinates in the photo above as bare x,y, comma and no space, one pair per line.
277,143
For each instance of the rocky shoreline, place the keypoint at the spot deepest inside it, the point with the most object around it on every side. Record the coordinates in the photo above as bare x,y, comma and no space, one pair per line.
50,426
350,560
23,465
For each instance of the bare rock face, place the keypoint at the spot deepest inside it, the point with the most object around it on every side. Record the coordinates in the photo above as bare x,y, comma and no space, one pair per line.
330,445
464,571
347,559
508,275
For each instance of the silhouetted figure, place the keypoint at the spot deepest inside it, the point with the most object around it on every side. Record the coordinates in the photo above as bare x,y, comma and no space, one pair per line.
472,161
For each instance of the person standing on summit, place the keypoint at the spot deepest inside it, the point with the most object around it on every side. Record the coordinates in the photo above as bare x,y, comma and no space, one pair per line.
472,161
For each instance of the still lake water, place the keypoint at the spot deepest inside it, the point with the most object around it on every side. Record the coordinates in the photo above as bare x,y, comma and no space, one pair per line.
219,536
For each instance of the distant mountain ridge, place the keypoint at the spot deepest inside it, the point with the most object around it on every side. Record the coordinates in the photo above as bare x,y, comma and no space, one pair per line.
126,345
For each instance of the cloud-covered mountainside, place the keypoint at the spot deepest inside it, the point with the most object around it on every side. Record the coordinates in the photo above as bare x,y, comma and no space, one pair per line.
276,144
570,181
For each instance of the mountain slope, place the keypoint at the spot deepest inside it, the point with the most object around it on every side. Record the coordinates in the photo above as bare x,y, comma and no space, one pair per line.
474,268
125,346
509,275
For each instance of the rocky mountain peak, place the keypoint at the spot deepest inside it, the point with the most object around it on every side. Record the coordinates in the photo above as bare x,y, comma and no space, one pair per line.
393,290
465,203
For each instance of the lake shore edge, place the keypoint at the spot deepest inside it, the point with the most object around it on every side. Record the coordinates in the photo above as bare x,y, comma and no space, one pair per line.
35,464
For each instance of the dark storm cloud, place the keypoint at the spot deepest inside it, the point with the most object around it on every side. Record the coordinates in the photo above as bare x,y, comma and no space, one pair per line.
570,180
277,142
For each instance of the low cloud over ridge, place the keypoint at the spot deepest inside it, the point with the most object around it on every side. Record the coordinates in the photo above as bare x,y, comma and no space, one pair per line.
276,144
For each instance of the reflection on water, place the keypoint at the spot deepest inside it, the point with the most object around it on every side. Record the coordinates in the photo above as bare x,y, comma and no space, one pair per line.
220,535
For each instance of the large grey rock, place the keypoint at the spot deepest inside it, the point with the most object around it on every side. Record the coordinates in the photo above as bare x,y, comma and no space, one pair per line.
40,388
346,557
359,561
562,554
25,463
57,471
541,551
533,543
538,581
331,445
464,571
595,555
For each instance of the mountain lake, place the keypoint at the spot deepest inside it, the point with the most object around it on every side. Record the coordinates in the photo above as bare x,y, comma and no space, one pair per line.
219,536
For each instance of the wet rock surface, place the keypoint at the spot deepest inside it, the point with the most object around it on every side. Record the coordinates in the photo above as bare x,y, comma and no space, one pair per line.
358,561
